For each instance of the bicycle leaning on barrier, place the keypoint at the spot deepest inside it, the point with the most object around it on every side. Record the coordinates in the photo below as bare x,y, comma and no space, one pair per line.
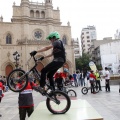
57,101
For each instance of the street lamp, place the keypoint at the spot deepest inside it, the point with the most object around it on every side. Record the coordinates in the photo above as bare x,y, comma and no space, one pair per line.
16,58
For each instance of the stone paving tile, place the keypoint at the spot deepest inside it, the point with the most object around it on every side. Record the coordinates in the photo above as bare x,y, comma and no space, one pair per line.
106,104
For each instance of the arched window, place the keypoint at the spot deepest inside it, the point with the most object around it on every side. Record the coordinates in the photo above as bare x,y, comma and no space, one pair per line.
64,39
31,13
42,14
37,14
8,39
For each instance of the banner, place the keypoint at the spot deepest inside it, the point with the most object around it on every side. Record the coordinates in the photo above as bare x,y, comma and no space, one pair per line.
92,66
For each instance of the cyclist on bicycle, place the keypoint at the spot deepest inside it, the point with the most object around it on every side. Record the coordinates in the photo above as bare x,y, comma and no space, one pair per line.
67,76
59,59
59,79
92,79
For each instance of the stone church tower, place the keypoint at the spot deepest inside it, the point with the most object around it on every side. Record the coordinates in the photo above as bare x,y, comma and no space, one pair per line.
30,25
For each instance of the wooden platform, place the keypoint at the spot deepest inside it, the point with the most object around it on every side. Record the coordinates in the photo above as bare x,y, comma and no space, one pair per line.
80,110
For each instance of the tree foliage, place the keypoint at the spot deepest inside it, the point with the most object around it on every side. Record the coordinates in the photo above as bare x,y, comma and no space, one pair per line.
83,62
99,67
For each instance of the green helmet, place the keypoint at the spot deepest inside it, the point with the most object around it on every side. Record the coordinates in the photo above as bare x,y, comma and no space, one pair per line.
53,34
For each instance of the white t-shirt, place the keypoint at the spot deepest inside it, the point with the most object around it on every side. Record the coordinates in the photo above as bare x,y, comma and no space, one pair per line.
78,76
108,74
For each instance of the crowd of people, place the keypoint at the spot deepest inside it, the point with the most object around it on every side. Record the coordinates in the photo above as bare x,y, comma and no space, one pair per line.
80,77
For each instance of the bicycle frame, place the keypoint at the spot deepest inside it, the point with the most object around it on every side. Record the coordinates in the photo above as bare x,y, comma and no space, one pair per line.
37,75
34,70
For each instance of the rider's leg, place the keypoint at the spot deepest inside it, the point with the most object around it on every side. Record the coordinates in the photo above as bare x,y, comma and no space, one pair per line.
50,68
50,76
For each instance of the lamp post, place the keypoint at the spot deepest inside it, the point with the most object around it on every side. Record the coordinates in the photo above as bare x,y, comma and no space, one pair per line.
16,58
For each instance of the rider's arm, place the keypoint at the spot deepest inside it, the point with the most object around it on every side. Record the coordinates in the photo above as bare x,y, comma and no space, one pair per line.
45,48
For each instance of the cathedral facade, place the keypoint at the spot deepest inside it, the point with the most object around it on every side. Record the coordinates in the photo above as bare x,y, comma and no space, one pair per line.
30,25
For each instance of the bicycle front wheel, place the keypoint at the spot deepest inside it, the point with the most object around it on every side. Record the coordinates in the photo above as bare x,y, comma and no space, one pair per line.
64,103
17,80
71,93
84,90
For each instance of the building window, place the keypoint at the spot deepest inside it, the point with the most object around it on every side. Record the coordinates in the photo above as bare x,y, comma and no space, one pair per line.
31,13
88,37
42,14
83,33
8,39
88,40
37,14
87,32
64,40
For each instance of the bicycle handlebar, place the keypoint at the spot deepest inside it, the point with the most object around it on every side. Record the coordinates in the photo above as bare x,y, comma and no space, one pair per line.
37,59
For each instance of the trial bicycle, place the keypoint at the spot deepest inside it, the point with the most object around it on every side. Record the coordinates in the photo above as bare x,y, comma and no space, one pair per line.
67,89
85,89
57,101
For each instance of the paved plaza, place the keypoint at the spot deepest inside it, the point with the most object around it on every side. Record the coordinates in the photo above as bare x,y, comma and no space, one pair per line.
106,104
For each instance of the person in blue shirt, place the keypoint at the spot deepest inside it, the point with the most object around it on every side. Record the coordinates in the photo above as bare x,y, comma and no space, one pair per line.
75,79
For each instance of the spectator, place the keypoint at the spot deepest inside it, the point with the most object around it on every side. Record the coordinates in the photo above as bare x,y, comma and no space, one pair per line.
82,78
25,100
70,77
88,75
1,92
107,79
59,79
5,81
75,79
92,79
66,75
97,75
78,78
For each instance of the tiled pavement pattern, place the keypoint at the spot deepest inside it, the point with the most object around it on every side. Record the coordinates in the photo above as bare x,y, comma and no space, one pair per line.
106,104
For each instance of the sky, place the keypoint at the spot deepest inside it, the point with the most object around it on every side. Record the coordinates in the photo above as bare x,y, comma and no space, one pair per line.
103,14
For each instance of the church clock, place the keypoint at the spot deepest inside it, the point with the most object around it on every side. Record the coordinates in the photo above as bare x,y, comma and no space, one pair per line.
38,35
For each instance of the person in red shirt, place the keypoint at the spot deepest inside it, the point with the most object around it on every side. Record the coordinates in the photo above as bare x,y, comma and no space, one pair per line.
59,79
25,100
2,88
92,79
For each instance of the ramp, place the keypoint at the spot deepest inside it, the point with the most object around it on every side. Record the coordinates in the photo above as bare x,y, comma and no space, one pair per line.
80,110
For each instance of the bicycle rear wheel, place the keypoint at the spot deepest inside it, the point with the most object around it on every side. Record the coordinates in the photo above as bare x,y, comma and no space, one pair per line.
71,93
84,90
17,80
64,102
